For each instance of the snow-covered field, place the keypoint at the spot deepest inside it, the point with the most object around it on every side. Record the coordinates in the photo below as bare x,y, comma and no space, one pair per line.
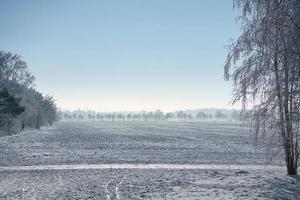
81,160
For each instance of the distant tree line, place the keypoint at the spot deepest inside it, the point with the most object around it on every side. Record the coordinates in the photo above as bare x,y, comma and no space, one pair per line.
155,116
21,105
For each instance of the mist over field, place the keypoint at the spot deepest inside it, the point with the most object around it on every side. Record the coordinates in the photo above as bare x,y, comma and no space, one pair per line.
149,99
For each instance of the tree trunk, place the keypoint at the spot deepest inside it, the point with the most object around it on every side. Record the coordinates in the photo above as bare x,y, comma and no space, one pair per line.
37,121
289,158
288,128
291,162
23,125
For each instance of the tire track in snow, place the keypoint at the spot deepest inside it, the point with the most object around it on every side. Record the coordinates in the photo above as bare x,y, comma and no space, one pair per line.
107,191
112,189
118,186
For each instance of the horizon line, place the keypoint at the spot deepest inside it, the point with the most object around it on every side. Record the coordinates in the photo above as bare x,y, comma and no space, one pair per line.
131,111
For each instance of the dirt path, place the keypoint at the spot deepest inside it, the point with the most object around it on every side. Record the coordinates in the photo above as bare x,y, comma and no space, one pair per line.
139,167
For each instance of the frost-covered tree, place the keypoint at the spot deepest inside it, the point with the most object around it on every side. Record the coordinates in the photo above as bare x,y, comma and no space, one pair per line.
190,116
19,83
150,115
9,104
37,109
13,72
145,116
120,117
128,116
81,117
136,117
170,115
201,116
180,115
98,116
158,115
184,116
113,116
10,109
50,110
219,115
74,116
264,64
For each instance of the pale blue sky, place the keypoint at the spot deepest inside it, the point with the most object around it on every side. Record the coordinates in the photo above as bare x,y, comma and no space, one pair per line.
124,55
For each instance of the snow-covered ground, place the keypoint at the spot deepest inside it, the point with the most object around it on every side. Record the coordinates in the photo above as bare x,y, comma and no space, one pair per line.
140,161
178,143
148,184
